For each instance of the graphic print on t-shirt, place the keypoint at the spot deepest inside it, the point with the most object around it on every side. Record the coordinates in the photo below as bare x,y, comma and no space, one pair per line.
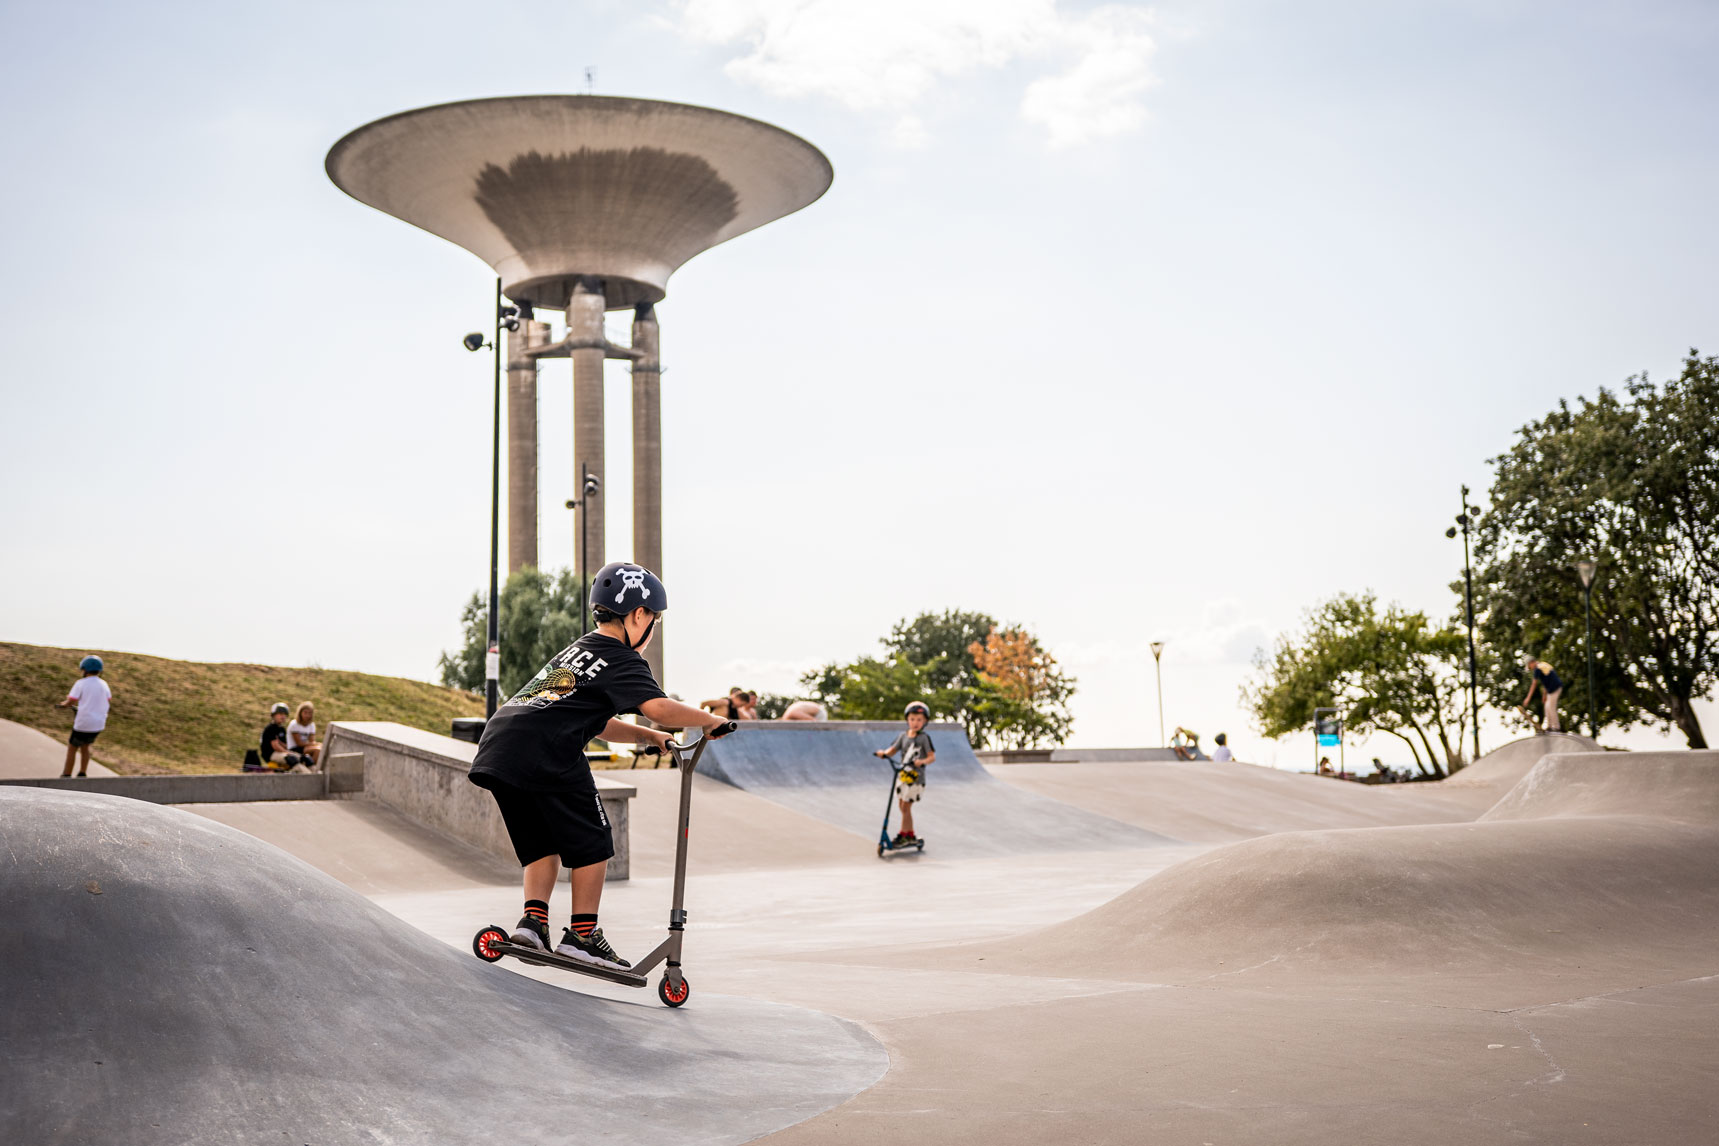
560,677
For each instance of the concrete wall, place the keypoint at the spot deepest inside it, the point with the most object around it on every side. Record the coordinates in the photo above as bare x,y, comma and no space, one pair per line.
221,788
1116,755
424,776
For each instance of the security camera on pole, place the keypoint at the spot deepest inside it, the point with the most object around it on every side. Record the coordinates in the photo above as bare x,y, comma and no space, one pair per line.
589,487
508,317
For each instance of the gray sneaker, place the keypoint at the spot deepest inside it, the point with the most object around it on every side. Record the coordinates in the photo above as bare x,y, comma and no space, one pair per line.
596,949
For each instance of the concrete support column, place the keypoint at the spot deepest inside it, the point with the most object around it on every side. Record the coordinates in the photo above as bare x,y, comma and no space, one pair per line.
522,444
648,458
585,332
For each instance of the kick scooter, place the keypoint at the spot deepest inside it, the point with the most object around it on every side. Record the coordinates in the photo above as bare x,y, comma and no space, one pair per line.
493,942
884,847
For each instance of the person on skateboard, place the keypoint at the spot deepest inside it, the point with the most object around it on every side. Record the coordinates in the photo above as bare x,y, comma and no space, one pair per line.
531,757
916,752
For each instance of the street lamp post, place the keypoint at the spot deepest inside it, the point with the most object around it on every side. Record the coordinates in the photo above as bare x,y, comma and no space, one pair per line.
507,316
1464,519
1158,670
589,487
1585,570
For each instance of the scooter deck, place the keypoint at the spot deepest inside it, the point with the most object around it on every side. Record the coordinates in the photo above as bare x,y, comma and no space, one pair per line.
886,850
549,959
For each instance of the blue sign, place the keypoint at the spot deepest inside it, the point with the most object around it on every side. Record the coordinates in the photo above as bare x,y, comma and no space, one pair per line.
1327,740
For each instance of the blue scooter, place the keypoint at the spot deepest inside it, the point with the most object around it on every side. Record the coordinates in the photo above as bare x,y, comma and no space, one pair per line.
884,847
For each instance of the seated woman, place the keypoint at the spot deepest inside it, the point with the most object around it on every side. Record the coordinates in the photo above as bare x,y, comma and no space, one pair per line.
1186,743
737,705
301,734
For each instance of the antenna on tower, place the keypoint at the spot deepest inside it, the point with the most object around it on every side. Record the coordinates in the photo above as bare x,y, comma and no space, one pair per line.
590,80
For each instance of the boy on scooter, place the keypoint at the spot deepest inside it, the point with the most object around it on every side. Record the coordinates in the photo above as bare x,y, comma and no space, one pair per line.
531,757
916,752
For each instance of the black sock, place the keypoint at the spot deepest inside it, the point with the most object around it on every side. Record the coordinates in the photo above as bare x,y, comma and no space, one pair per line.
583,925
537,911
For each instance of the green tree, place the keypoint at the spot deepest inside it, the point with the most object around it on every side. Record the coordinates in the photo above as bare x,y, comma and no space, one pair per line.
947,679
1389,671
1632,482
540,616
944,640
771,705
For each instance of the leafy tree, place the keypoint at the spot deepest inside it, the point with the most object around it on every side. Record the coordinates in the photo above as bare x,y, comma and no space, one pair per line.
1632,482
540,616
1390,672
771,705
943,639
1011,662
950,681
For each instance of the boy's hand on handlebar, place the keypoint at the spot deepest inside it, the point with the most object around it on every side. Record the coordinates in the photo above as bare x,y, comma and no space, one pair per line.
722,728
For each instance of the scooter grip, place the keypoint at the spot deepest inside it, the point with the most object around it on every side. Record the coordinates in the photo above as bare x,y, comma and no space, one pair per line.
722,730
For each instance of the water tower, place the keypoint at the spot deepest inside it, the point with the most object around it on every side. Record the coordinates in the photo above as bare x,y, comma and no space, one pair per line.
584,204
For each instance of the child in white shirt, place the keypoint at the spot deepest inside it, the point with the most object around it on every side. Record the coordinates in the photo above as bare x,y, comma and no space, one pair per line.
92,698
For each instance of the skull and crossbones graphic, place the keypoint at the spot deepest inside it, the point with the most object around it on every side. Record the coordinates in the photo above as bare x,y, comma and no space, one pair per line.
633,578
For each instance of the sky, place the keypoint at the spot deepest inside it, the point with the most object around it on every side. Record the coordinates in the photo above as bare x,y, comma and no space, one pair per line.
1125,322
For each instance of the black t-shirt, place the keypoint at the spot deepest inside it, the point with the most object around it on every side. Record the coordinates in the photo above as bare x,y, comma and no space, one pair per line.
272,733
536,741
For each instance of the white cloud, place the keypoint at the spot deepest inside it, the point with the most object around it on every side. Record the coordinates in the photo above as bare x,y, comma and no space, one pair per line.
888,57
1101,95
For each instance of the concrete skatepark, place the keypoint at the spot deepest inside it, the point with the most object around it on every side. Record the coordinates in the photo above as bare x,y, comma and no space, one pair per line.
1524,952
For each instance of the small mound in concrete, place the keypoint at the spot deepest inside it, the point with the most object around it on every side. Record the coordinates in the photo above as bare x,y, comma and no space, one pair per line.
167,979
1603,879
1505,765
1681,786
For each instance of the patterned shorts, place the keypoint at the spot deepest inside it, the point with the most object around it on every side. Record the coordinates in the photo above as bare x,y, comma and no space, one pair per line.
909,785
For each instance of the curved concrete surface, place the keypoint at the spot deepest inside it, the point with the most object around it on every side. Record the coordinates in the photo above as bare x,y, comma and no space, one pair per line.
1220,803
1669,785
1211,803
170,980
1551,979
825,770
1501,768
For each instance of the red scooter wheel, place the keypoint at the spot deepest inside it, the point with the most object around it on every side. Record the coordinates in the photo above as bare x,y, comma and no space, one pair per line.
670,996
486,944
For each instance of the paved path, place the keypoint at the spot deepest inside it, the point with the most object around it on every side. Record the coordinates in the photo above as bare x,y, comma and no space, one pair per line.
26,753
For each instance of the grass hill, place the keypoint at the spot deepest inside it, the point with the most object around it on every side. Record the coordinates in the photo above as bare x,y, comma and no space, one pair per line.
184,716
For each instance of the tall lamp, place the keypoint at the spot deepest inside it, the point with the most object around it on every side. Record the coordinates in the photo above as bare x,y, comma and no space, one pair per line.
505,316
1158,669
1585,570
1465,519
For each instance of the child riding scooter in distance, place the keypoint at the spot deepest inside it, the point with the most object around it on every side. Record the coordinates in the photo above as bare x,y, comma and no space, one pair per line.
532,755
916,752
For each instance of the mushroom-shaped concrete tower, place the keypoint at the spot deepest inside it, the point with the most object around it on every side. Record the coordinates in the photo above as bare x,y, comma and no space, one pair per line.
582,204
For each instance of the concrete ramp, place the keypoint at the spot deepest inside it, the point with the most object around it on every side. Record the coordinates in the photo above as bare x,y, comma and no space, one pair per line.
1596,871
826,770
1679,786
1501,768
168,980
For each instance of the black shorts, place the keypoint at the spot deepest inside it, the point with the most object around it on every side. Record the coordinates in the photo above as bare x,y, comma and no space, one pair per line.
82,739
571,825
